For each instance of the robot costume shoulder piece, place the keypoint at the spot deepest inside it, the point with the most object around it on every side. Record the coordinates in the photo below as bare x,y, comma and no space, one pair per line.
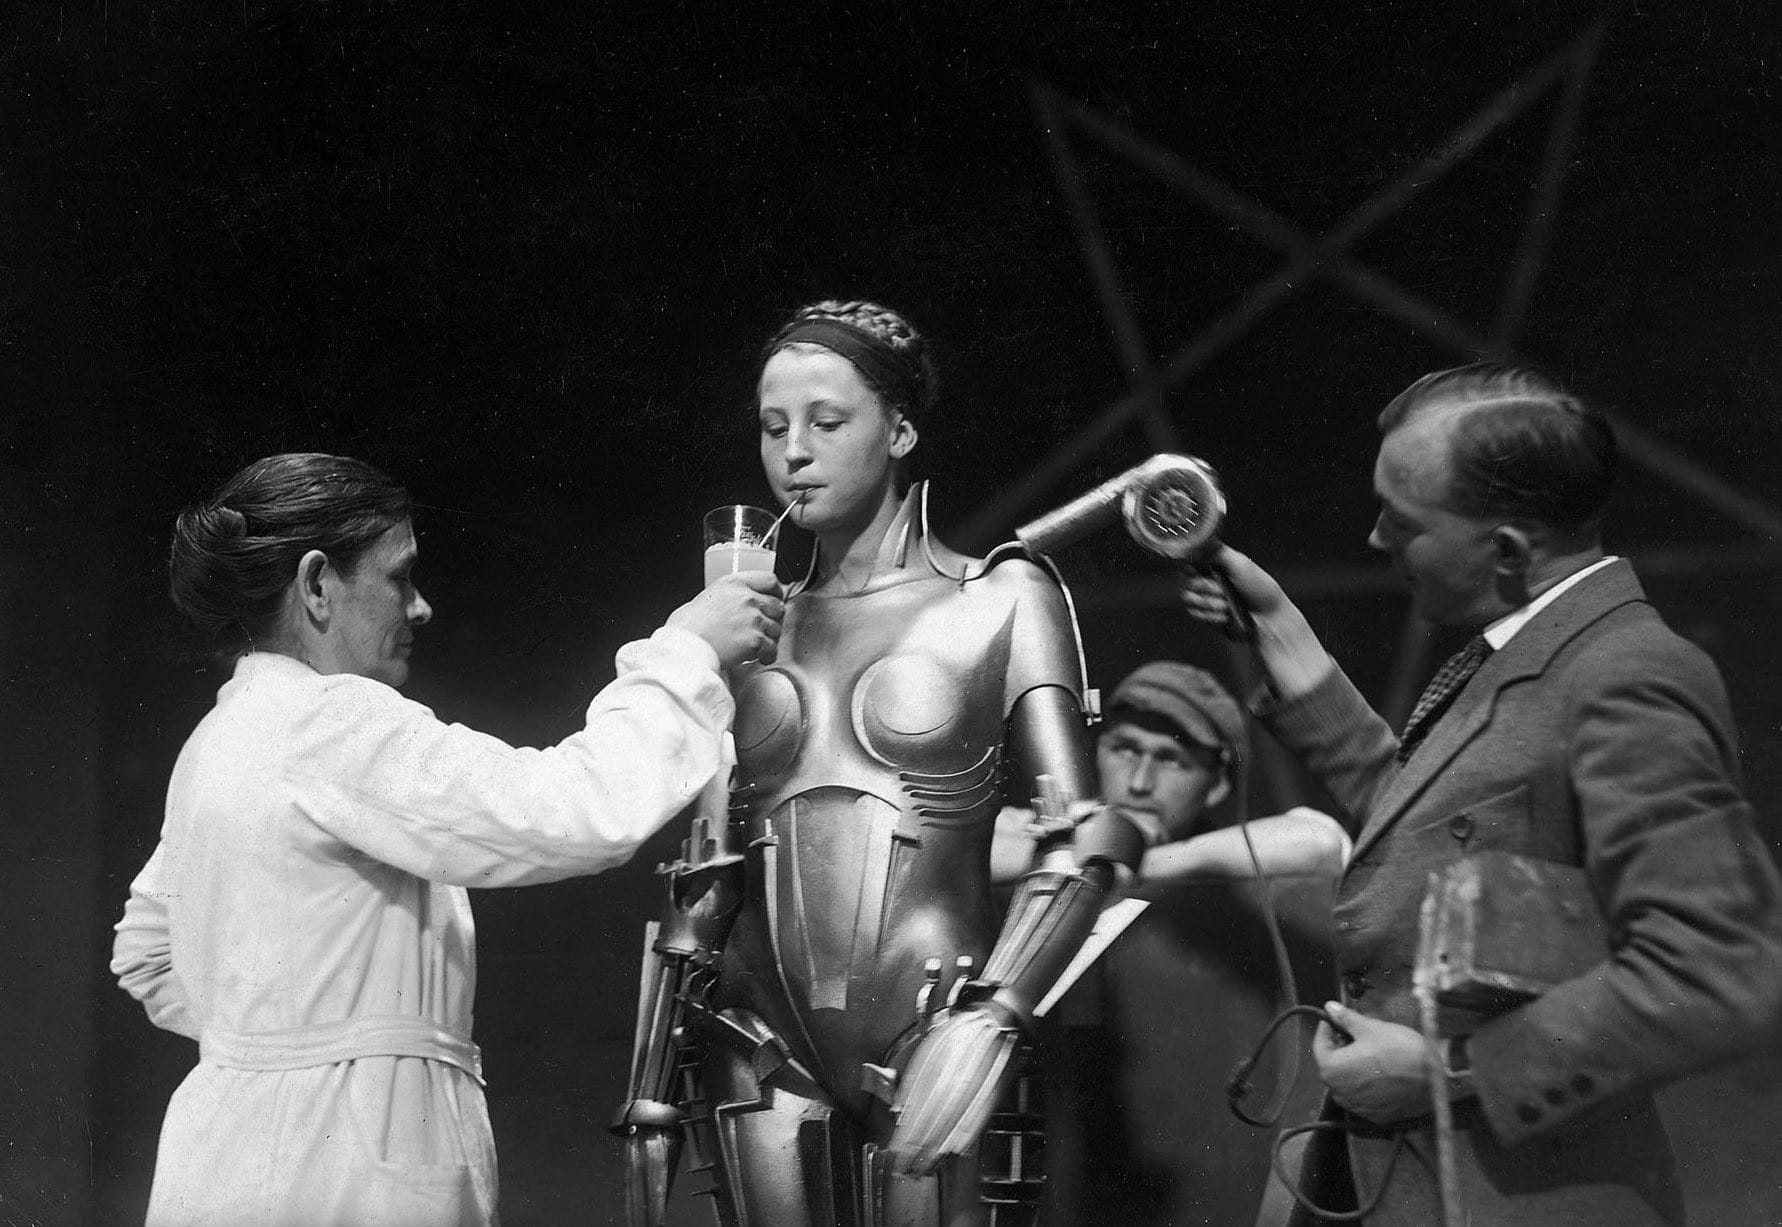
832,1006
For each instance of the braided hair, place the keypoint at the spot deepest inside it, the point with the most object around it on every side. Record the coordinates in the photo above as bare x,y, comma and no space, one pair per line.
908,383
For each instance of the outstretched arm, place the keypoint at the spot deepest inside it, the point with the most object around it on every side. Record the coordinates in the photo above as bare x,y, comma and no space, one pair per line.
1286,645
1303,842
450,804
1311,706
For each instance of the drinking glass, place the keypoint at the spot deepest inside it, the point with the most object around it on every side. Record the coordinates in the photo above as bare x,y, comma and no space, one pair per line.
738,538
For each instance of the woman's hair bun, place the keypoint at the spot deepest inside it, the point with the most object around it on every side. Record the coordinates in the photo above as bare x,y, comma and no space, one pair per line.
226,522
206,525
234,554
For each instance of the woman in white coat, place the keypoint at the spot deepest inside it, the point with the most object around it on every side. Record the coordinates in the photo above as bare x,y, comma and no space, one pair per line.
304,916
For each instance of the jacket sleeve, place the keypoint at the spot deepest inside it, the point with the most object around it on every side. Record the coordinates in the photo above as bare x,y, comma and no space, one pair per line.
142,954
449,804
1688,888
1340,738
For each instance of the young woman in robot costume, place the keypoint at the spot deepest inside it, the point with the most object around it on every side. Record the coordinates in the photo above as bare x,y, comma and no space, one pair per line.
850,1003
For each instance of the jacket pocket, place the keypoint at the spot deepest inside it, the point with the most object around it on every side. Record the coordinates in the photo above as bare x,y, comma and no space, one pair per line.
1500,821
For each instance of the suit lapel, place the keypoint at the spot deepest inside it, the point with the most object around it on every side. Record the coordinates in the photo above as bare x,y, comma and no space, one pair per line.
1462,722
1527,655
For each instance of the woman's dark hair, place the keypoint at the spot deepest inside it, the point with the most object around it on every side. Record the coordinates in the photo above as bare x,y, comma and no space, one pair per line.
234,555
1525,449
891,356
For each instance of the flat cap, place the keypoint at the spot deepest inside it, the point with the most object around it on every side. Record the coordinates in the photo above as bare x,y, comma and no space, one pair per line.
1189,698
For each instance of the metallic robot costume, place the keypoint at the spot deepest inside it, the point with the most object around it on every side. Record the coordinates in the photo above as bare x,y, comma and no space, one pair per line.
831,1006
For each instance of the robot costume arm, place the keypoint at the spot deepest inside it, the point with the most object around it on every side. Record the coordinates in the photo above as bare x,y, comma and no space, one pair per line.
961,1065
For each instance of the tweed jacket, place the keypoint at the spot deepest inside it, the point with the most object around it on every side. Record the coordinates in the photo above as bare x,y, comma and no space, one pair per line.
1600,738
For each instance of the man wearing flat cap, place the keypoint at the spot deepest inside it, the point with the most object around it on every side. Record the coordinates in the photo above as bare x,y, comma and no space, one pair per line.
1141,1129
1173,741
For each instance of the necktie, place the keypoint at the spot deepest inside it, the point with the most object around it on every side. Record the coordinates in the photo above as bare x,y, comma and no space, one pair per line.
1440,692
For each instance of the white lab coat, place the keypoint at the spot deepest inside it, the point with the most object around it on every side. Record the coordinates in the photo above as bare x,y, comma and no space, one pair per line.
304,918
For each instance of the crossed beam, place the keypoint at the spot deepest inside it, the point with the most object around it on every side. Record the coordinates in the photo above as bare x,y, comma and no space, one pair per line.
1310,258
1307,259
1344,581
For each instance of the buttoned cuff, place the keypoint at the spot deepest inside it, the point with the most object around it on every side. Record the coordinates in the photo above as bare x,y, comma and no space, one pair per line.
1523,1097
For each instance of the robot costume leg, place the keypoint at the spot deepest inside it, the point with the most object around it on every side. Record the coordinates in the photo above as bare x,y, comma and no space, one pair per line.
651,1118
1012,1154
783,1156
779,1158
704,890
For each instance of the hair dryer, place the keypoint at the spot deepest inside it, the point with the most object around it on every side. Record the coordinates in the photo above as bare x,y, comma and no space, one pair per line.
1172,505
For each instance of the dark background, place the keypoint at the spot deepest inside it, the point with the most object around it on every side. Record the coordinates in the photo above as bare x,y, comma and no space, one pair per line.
522,256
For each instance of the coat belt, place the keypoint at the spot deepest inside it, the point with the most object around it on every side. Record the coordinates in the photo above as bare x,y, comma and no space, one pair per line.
376,1035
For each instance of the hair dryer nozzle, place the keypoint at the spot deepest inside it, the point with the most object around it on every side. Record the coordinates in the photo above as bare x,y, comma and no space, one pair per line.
1075,520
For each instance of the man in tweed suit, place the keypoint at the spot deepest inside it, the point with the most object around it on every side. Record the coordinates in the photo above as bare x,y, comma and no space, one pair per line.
1576,727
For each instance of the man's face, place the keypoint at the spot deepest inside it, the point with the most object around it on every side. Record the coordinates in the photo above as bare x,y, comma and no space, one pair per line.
1446,559
1154,774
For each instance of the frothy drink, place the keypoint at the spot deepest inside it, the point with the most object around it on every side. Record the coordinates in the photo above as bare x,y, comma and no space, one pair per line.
729,557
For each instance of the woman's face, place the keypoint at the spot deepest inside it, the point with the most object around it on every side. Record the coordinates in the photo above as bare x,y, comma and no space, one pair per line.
827,440
375,610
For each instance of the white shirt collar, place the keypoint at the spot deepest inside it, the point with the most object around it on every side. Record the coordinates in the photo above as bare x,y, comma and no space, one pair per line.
1500,631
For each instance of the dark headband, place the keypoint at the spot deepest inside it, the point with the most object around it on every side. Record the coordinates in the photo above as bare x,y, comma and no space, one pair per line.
894,377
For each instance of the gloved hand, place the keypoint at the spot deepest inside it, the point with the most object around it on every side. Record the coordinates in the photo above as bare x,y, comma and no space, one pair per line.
951,1085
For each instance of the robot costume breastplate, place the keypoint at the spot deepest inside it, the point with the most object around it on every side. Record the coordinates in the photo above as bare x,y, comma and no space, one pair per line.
869,759
897,693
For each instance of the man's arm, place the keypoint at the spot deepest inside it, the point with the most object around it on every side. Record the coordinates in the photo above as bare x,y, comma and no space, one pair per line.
1303,842
1689,890
1287,647
1311,704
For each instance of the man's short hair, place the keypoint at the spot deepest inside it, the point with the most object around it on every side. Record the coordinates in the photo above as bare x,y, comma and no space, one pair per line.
1525,449
1191,704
